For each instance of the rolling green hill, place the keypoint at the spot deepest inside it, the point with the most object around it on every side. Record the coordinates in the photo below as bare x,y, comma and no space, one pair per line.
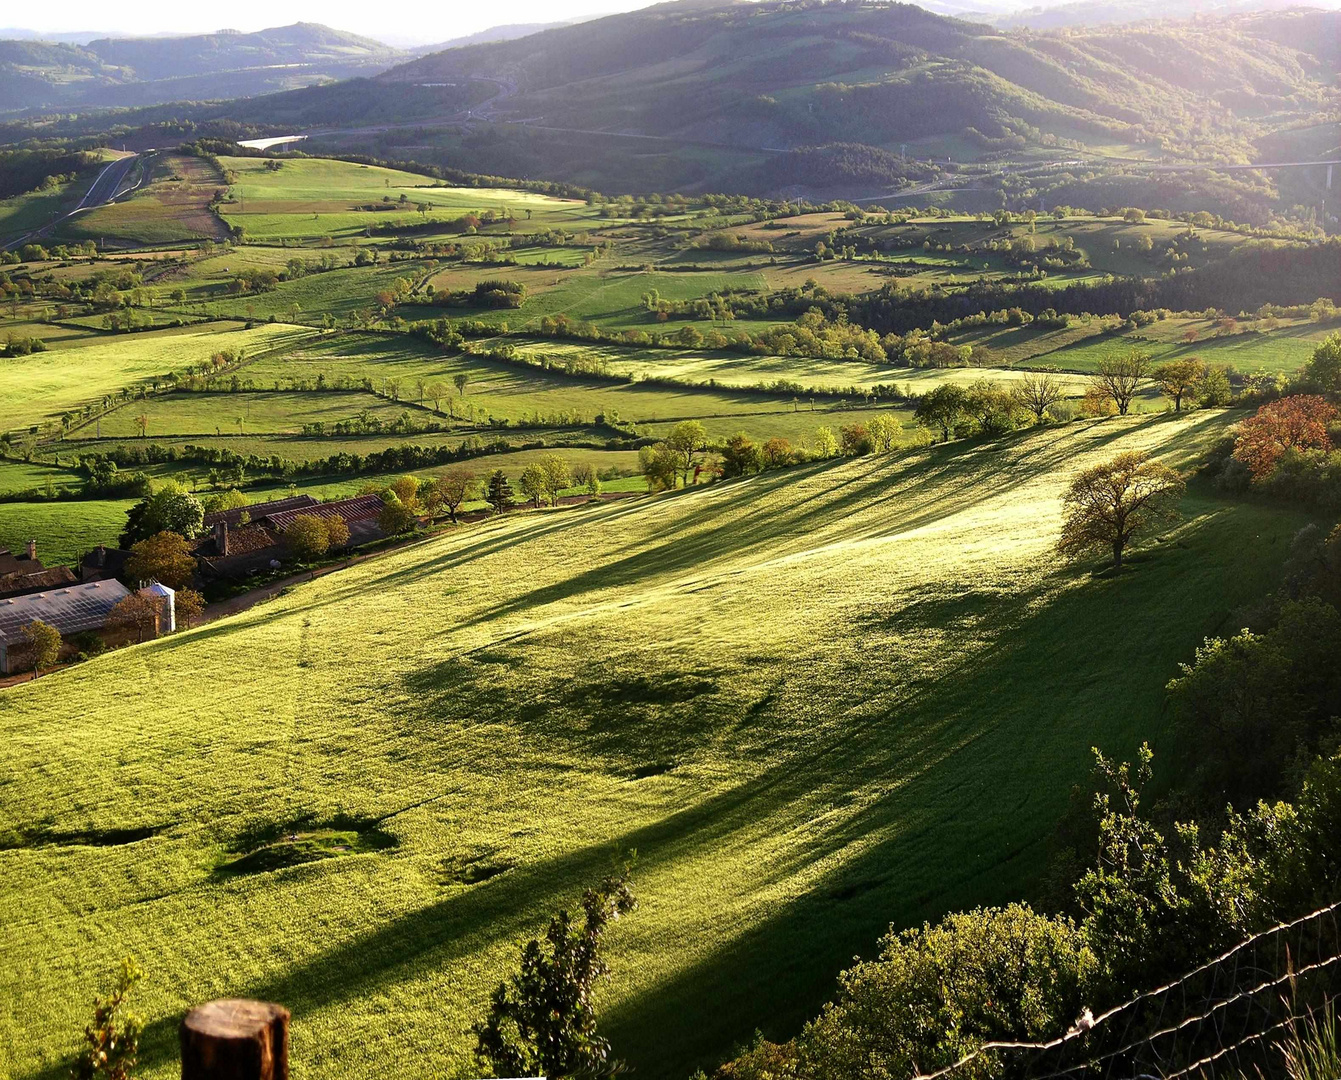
816,702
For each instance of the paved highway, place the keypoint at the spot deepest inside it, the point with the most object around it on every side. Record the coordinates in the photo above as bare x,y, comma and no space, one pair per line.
112,182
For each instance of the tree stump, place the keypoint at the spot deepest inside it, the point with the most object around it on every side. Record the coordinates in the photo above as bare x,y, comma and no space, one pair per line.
236,1040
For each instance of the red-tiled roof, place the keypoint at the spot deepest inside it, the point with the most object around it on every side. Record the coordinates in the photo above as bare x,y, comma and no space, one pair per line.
359,508
258,510
249,538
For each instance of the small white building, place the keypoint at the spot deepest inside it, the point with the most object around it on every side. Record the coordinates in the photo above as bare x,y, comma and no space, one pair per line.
165,605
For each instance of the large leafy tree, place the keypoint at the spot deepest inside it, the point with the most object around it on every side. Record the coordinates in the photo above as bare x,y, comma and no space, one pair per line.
688,441
169,509
307,537
1292,423
1179,378
943,409
660,465
44,644
741,456
165,557
542,1021
1324,367
1110,505
454,487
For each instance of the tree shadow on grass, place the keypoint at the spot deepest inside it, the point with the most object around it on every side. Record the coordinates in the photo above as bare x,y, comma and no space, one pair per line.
932,486
900,806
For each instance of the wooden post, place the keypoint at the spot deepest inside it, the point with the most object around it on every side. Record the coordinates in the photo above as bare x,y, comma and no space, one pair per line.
236,1040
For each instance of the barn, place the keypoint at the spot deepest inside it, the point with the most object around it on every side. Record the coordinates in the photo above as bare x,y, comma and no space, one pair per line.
71,610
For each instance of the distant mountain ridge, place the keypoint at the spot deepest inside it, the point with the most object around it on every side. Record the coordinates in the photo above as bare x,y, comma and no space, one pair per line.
506,32
147,70
800,74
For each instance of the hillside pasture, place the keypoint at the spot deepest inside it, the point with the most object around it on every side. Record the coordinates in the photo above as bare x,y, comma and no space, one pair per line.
317,197
41,386
21,214
339,293
173,207
816,702
1082,345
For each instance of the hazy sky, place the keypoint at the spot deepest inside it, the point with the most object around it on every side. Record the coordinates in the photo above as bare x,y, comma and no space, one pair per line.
398,22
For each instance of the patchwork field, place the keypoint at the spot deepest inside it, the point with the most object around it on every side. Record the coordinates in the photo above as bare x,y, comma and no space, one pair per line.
773,689
42,386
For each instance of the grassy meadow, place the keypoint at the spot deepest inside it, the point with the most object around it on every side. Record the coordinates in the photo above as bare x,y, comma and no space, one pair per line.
817,702
64,531
41,386
319,197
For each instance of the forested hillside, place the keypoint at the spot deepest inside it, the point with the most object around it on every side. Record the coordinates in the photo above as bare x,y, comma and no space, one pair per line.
882,103
798,74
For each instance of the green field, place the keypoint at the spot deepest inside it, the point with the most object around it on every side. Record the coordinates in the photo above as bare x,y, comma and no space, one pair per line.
816,702
319,197
1081,346
41,386
179,414
21,475
63,530
24,213
172,207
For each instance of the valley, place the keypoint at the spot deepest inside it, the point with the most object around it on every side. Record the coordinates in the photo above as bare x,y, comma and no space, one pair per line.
840,498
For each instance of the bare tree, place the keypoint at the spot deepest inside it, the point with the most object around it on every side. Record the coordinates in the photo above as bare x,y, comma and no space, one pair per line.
1037,393
1118,378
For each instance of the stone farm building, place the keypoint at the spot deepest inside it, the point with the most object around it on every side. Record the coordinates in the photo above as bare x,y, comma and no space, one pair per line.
251,538
20,574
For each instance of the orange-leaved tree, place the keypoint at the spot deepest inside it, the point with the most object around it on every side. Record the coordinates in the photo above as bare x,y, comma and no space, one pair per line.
1292,423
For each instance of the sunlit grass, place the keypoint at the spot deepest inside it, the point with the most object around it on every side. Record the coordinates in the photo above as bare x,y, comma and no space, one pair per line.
817,702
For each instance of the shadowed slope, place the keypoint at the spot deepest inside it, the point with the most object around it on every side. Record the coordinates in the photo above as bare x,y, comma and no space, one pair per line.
815,702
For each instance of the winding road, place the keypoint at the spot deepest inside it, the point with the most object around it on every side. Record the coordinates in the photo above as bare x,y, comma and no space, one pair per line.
109,185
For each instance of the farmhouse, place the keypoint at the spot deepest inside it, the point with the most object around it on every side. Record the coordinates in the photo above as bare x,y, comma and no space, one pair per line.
21,574
235,548
257,511
103,562
360,514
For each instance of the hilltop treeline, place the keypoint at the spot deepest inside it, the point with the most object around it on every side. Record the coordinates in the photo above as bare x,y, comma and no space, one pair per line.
841,165
26,170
